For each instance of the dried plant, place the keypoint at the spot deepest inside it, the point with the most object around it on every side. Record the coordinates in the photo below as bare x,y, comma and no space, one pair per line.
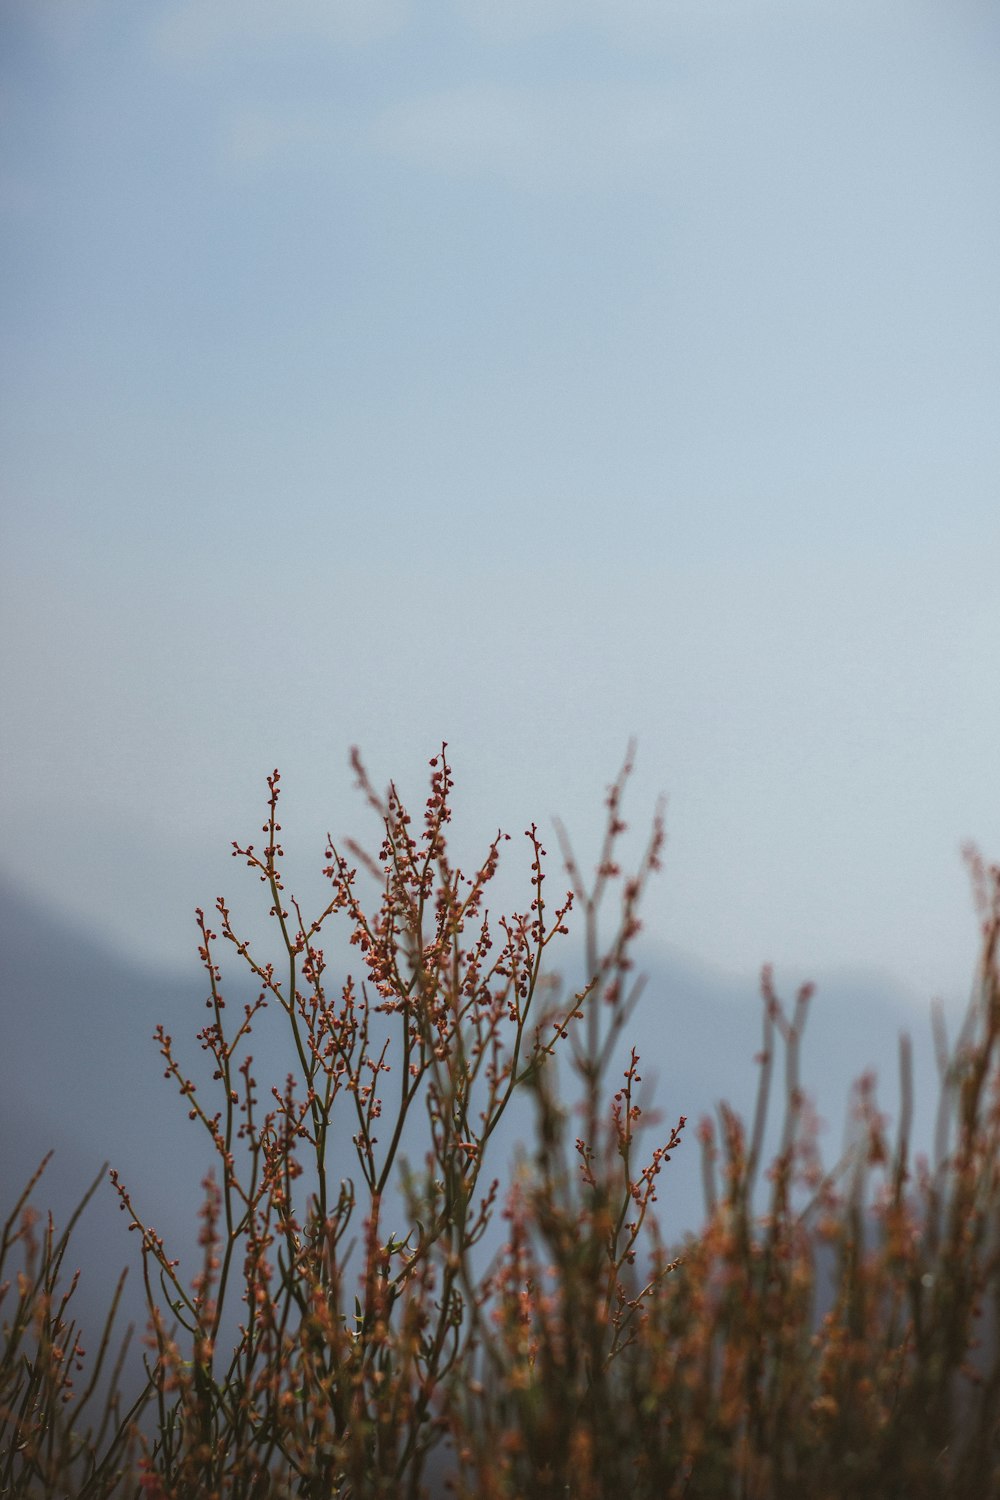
385,1306
44,1447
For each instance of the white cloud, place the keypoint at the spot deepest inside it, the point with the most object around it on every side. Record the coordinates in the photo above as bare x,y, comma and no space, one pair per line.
193,30
639,22
265,137
573,137
517,19
540,139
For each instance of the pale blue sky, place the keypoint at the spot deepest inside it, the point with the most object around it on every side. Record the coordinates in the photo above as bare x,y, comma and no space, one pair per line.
529,375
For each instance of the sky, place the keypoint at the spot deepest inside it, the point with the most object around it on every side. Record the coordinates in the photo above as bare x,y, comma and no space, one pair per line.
530,376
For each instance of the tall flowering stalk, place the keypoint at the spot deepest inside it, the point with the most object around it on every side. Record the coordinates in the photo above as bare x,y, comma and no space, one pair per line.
353,1332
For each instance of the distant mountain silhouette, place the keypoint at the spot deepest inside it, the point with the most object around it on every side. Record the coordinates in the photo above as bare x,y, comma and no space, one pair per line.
699,1033
79,1075
79,1072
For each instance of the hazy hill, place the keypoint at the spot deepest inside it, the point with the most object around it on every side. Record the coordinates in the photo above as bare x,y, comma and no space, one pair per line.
79,1072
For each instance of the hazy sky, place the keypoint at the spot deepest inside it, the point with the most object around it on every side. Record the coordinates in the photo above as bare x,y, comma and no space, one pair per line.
525,373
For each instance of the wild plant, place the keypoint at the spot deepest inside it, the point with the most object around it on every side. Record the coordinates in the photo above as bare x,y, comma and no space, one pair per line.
385,1304
354,1331
837,1334
49,1446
